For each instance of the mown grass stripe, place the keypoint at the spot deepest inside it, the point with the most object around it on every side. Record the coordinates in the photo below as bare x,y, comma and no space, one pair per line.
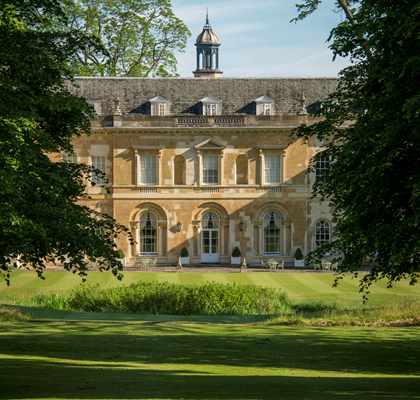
300,286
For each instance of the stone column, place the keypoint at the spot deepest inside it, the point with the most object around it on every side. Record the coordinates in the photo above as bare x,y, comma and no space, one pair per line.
159,168
225,229
196,237
282,165
222,169
257,238
136,167
261,159
289,238
133,246
136,234
199,169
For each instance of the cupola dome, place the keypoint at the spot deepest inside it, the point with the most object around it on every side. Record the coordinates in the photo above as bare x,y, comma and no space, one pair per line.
208,43
208,35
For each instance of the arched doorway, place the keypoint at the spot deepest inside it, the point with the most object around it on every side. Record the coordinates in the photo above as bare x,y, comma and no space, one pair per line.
210,238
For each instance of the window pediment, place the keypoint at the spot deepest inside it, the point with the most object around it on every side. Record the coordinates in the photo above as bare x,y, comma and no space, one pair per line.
264,99
209,144
210,99
158,99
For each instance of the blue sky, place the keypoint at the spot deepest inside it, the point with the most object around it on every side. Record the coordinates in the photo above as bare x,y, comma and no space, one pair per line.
258,40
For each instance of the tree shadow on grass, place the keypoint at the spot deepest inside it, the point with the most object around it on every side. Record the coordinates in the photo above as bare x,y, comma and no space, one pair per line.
45,313
29,379
309,349
131,359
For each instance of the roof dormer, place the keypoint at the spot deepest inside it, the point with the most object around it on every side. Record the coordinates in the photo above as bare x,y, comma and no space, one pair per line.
210,106
264,105
159,106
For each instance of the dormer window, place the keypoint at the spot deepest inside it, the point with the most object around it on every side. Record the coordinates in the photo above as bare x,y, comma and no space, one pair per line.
211,109
159,106
264,105
267,109
211,106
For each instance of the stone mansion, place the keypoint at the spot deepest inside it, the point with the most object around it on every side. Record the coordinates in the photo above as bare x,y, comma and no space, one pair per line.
206,163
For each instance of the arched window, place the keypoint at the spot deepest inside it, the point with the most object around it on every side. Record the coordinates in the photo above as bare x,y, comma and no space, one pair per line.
272,233
179,170
210,221
322,233
148,233
242,170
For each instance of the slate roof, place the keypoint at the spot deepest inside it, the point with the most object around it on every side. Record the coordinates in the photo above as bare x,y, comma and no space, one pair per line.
184,94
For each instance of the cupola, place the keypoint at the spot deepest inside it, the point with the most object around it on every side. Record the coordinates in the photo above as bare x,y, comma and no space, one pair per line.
208,43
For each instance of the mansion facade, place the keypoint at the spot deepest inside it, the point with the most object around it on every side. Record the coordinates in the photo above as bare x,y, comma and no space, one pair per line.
207,163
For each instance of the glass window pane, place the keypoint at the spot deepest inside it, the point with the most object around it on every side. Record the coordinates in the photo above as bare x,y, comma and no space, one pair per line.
322,165
147,169
267,109
211,169
161,109
272,233
210,109
98,162
322,233
272,168
148,233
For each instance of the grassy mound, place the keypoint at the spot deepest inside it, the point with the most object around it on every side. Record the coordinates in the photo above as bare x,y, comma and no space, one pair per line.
166,298
12,314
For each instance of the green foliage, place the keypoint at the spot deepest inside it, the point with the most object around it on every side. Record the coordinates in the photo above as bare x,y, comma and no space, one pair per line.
370,128
137,38
40,221
298,254
184,252
120,254
236,252
166,298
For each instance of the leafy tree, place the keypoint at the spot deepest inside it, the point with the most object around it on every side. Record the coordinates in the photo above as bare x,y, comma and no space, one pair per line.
371,134
138,37
40,220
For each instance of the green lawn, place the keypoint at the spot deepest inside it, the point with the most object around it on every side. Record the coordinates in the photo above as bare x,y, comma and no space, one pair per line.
165,358
300,287
59,355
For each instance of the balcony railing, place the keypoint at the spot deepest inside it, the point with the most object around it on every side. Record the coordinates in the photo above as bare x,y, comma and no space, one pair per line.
148,189
192,122
200,121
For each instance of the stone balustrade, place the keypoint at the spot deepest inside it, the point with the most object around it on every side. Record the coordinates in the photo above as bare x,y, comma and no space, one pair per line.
201,121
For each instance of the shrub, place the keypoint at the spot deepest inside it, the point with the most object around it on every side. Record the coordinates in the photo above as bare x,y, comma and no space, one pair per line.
236,252
167,298
298,254
184,252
